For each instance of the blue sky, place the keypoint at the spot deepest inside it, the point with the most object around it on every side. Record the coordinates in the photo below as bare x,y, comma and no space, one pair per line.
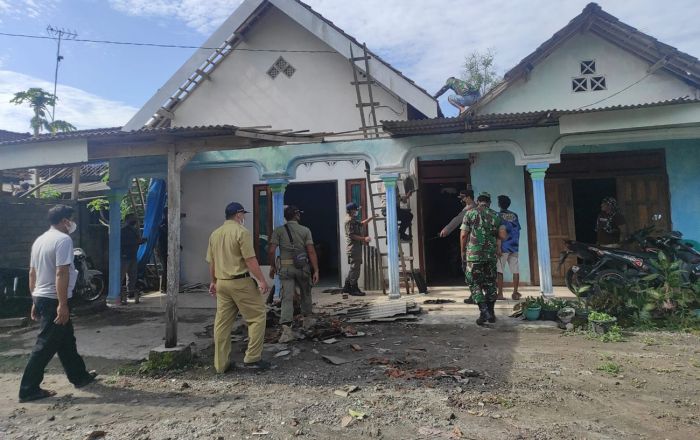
102,85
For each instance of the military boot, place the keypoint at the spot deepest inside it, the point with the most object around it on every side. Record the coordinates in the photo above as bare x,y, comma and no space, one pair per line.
491,305
347,288
484,315
355,290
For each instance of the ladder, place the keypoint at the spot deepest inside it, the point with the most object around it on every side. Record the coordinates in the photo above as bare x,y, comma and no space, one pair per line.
406,261
361,78
137,200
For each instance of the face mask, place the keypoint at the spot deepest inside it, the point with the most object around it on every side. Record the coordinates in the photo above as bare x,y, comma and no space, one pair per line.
73,226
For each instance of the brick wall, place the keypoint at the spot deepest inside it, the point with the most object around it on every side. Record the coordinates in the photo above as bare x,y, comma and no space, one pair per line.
21,222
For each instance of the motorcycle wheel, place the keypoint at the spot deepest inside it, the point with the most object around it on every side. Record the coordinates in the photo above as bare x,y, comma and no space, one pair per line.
608,277
94,289
571,280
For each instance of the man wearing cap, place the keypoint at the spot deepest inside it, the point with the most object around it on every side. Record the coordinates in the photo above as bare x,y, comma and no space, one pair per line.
354,239
466,197
298,266
232,261
480,237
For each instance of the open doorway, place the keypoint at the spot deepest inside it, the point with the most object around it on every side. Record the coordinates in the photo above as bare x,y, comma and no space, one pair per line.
440,183
319,201
587,195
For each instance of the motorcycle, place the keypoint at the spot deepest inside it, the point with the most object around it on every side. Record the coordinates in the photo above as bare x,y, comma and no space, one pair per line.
90,285
607,265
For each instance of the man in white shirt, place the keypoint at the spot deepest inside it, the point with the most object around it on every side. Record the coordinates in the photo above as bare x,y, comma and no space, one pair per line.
52,277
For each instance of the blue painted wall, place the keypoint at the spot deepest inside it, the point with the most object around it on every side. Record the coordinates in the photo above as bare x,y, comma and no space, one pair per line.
497,174
683,169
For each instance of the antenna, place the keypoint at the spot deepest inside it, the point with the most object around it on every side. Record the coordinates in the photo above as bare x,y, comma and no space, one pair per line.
59,34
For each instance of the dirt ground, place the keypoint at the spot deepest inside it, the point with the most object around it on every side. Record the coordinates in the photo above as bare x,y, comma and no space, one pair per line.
523,382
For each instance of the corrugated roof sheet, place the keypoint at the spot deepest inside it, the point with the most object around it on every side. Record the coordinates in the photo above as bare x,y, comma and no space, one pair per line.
12,135
117,132
495,121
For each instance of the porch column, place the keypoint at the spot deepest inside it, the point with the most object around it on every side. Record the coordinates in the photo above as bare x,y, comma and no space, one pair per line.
537,174
277,188
392,234
115,234
176,162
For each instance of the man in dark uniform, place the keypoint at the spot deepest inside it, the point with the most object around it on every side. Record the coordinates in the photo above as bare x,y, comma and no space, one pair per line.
130,242
354,239
298,266
481,235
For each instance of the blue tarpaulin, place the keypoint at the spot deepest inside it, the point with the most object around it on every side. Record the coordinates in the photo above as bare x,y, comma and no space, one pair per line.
155,202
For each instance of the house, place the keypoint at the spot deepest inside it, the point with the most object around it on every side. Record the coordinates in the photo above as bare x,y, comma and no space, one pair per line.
612,112
283,65
599,109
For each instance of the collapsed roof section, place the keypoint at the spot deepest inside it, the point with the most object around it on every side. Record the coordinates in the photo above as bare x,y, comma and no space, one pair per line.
159,110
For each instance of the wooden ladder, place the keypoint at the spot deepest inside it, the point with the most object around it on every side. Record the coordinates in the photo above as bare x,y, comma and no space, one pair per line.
137,200
357,74
406,261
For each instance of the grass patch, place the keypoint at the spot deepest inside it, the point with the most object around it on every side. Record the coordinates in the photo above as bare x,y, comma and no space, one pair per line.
610,367
649,341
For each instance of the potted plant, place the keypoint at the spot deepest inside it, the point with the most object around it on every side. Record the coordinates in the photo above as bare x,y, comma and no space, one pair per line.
600,323
532,309
549,310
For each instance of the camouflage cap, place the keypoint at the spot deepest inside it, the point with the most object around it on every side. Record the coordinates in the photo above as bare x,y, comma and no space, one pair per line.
485,194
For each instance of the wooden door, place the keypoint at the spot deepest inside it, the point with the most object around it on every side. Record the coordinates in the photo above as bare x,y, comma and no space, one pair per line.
641,197
560,221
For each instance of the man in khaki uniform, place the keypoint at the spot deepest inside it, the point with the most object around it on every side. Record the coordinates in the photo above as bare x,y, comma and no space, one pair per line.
295,243
231,259
354,239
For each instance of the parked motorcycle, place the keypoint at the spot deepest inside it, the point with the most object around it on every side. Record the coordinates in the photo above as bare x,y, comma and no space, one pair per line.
90,285
599,264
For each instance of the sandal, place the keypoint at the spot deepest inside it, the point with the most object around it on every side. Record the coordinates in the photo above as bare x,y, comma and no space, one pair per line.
41,394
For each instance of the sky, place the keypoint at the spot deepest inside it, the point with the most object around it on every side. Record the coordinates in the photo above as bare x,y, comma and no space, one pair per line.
104,85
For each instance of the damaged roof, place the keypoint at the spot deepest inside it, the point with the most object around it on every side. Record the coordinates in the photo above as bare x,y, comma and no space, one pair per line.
160,107
469,122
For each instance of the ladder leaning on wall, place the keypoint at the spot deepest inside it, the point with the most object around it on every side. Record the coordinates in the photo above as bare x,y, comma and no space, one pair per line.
382,244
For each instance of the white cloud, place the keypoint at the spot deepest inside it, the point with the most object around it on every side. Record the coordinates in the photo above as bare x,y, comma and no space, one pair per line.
429,40
26,8
204,16
82,109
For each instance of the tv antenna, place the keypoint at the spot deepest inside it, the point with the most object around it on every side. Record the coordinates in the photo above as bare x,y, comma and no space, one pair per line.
59,34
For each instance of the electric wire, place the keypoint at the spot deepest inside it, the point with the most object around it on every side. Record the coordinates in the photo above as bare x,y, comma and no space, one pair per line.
169,46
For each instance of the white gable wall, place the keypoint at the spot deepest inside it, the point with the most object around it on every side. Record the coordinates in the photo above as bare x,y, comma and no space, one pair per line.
318,97
549,84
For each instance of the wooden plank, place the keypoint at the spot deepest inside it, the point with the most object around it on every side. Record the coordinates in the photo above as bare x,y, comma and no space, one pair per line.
173,250
76,183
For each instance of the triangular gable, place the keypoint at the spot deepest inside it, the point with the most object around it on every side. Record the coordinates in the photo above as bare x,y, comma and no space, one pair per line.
593,19
158,110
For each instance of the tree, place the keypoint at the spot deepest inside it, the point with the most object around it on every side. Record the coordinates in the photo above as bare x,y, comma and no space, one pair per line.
480,72
40,100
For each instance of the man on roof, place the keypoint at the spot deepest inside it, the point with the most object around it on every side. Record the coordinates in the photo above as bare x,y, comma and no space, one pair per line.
466,93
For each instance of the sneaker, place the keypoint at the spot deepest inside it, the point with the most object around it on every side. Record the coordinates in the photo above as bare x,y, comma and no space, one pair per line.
259,365
90,378
287,335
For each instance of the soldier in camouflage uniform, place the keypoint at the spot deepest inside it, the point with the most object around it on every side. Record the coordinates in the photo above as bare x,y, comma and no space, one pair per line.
480,238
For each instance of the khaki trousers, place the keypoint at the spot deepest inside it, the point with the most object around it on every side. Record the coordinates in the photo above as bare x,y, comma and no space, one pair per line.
233,296
290,277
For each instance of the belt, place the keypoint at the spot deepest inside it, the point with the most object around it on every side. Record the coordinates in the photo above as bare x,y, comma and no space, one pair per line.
286,262
238,277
